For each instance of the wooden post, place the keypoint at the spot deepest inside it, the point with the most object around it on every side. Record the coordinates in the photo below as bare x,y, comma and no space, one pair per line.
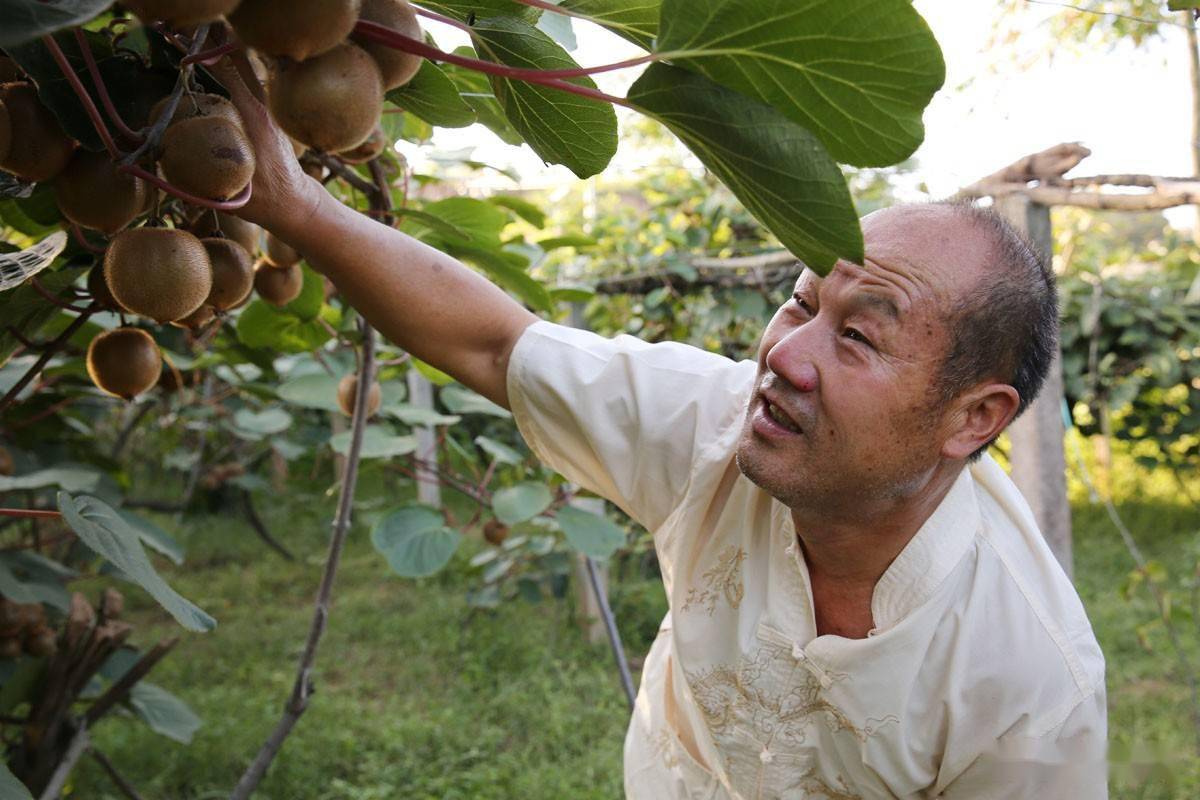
420,394
1039,468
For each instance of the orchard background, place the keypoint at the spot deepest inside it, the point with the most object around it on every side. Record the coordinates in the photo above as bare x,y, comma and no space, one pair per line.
185,461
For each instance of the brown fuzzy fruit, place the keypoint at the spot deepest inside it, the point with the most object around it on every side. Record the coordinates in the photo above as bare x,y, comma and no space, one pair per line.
124,362
298,29
279,285
279,253
495,532
93,194
375,144
197,319
231,227
233,273
99,290
347,395
207,156
331,102
39,149
6,462
160,273
198,105
180,13
396,66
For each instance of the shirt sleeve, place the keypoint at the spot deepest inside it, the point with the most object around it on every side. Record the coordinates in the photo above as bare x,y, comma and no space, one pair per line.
621,417
1069,761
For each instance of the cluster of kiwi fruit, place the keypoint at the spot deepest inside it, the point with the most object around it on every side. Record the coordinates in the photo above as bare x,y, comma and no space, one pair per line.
325,90
24,629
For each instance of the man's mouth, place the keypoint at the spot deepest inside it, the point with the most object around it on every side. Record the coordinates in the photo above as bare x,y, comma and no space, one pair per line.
779,417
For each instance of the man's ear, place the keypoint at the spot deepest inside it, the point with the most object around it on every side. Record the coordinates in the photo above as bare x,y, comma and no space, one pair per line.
980,416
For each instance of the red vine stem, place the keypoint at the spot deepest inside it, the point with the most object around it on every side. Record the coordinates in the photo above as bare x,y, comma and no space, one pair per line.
546,6
451,21
105,99
208,57
390,38
84,98
46,293
29,512
77,232
232,204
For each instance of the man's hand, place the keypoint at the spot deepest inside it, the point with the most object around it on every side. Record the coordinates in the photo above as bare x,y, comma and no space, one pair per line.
418,297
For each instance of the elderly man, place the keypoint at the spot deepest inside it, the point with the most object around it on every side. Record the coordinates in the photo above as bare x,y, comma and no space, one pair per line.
861,603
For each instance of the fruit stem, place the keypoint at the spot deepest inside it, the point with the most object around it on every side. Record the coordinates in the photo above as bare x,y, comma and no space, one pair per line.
77,232
209,57
232,204
46,293
442,18
46,355
101,89
84,98
29,512
551,7
394,39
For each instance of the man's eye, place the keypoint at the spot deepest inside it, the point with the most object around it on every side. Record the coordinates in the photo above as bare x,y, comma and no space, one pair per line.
800,301
856,335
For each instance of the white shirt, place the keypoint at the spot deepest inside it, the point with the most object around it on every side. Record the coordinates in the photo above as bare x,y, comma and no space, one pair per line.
981,679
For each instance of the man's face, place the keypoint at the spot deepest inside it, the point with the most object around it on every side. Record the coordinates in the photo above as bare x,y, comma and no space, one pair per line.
849,366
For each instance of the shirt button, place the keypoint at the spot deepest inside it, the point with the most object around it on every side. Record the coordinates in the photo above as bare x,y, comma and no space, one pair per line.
766,756
797,651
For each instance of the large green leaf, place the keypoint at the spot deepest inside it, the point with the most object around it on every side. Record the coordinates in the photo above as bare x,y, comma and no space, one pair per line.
415,540
521,502
103,530
153,536
508,270
433,97
165,713
258,424
475,89
857,73
481,222
462,400
71,478
776,168
562,128
318,391
263,325
378,442
635,20
10,787
26,20
591,534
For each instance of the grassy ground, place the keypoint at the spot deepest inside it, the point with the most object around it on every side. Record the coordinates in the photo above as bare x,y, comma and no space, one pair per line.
417,698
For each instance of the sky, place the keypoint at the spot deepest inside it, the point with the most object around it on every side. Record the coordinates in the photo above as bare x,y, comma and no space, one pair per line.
1130,107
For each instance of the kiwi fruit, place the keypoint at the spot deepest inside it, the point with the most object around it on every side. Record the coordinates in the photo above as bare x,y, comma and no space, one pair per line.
298,29
93,193
38,149
279,253
233,273
124,362
198,105
375,144
6,462
495,532
230,226
197,319
396,66
347,394
98,288
160,273
180,13
330,103
279,285
207,156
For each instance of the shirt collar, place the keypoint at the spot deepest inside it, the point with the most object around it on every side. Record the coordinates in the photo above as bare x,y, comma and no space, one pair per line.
929,556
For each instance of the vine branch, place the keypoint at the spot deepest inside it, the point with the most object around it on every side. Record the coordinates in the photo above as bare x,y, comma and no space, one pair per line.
46,355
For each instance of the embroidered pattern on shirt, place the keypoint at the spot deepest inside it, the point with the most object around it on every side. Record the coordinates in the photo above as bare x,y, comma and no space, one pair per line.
762,715
663,749
725,578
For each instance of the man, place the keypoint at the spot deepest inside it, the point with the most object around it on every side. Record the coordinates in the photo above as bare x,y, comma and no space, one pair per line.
861,603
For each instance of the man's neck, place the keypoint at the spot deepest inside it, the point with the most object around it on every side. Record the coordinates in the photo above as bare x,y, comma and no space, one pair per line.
849,553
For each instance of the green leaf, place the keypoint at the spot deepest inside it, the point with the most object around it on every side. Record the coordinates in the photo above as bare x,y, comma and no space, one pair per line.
499,451
521,502
262,325
68,478
13,587
779,170
591,534
1182,5
165,713
562,128
415,540
318,390
462,400
418,415
857,73
104,531
434,225
635,20
433,96
522,207
10,787
432,373
378,442
481,222
475,89
464,9
507,269
262,423
571,294
577,240
29,20
19,682
153,536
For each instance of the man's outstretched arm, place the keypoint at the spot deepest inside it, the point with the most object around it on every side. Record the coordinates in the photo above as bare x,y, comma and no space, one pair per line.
418,297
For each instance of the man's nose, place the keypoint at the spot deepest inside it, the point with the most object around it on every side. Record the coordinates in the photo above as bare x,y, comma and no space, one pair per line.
791,358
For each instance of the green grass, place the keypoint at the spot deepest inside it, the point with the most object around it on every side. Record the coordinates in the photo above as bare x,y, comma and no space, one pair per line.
419,698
